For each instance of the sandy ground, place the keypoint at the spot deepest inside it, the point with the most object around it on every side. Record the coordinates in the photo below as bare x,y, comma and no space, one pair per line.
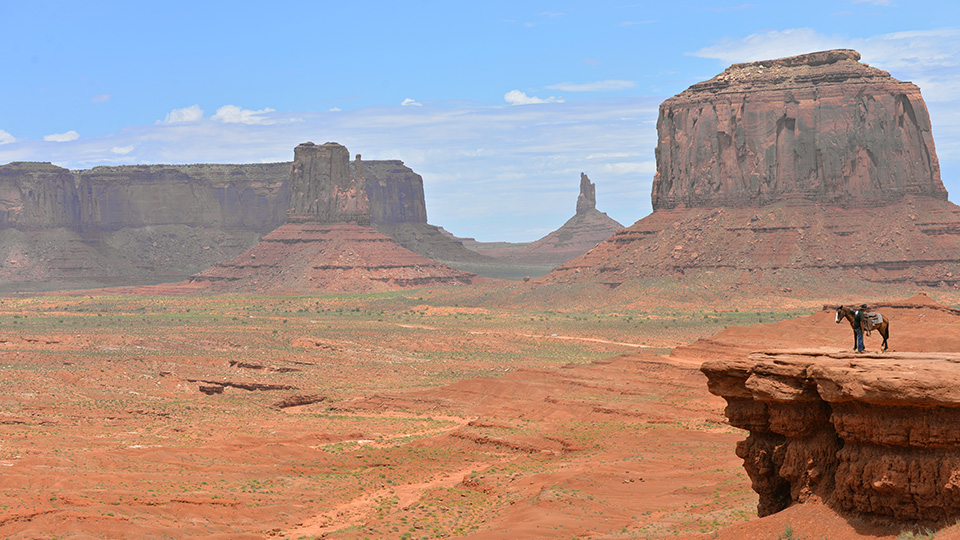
446,421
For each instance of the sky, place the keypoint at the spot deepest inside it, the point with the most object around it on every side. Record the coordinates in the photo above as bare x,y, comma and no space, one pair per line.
498,105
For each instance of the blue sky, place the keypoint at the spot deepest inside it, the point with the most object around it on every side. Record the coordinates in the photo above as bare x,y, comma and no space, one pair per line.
498,105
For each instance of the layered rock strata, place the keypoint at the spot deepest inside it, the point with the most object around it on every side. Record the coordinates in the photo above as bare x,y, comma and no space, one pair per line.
143,223
328,243
313,256
867,434
818,127
810,171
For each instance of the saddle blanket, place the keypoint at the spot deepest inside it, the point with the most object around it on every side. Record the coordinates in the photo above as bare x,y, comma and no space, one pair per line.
873,318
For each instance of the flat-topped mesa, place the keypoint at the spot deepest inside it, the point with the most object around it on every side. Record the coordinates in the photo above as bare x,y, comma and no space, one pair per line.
322,188
819,127
587,200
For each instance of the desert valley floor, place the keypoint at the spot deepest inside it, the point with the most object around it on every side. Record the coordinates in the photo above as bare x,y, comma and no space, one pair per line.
427,413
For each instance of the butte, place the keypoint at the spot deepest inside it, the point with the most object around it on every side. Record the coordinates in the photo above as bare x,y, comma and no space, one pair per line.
809,174
327,242
587,228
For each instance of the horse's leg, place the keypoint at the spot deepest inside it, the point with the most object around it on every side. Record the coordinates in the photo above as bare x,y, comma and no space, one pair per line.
885,332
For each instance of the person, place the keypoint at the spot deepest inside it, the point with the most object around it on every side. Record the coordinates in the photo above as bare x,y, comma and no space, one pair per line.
858,316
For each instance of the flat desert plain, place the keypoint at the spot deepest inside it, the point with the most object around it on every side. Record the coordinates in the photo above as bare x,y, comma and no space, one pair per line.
411,414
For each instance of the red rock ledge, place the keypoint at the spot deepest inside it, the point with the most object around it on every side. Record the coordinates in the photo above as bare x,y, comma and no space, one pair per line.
868,434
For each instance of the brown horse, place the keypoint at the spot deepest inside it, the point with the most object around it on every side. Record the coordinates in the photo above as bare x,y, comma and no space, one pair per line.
869,324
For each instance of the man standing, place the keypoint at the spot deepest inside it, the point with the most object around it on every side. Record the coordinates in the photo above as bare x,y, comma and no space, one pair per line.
858,326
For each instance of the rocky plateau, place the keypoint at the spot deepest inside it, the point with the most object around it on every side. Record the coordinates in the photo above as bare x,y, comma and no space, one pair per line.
871,434
807,172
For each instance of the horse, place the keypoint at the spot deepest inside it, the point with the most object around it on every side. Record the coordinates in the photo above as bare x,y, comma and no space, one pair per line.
869,324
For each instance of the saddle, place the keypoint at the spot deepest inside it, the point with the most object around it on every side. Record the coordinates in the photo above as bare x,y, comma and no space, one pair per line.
871,320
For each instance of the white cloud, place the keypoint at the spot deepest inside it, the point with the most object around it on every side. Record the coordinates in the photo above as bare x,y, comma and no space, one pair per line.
335,109
6,138
598,86
62,137
122,150
231,114
516,97
101,98
772,44
409,102
192,113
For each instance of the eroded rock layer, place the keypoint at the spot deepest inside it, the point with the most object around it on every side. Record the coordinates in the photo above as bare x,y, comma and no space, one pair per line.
804,172
315,256
869,434
145,223
819,127
915,242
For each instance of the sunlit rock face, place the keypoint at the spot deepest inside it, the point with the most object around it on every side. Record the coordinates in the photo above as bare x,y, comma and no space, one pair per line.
322,187
819,127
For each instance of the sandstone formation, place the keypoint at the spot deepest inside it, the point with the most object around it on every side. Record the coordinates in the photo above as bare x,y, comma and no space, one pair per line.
587,228
146,223
820,127
312,256
327,243
803,173
324,188
868,434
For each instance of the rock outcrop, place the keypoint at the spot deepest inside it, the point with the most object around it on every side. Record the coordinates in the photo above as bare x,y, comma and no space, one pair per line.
819,127
327,243
868,434
324,188
587,228
146,223
803,174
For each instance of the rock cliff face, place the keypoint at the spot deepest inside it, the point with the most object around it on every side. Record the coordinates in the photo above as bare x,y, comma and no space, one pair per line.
868,434
247,197
36,196
142,223
324,188
327,243
395,192
810,174
818,127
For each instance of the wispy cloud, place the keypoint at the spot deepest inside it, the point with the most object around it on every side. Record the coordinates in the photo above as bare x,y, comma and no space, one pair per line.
411,102
192,113
101,98
122,150
598,86
231,114
516,97
62,137
6,138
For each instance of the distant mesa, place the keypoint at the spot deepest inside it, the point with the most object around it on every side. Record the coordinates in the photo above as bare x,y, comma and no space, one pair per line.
582,232
789,174
149,223
327,243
